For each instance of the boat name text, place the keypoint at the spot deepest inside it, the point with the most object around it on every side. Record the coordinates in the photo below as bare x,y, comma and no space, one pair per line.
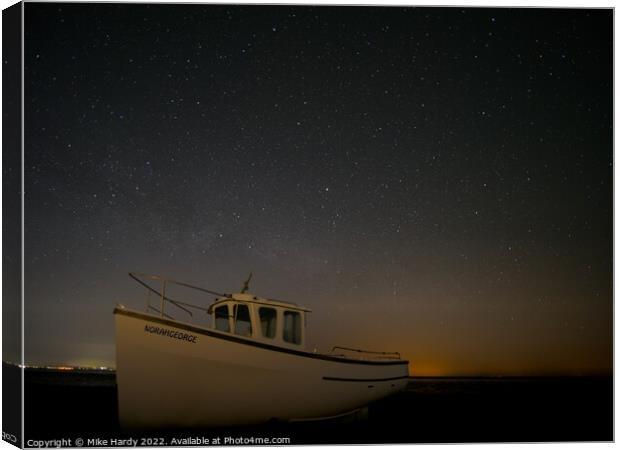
171,334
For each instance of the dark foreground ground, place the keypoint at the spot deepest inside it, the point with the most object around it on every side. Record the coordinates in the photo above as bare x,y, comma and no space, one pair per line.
83,405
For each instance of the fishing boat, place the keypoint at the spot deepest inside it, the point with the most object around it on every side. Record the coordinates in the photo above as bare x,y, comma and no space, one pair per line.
246,364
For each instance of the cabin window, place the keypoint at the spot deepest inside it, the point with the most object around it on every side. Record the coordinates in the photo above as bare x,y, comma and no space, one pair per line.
292,327
243,324
221,318
268,318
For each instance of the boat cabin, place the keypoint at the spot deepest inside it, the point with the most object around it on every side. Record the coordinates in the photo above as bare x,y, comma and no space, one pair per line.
273,321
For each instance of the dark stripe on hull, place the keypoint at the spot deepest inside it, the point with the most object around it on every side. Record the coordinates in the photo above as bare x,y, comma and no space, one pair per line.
238,340
364,380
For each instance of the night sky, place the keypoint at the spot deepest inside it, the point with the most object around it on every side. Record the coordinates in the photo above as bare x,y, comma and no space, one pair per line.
436,181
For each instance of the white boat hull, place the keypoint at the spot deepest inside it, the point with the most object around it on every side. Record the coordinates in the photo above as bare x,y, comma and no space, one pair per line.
171,374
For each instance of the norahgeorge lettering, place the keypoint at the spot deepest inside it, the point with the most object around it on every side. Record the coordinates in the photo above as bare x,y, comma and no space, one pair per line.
171,333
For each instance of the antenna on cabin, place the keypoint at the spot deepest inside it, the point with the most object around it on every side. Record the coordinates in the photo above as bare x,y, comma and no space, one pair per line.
246,284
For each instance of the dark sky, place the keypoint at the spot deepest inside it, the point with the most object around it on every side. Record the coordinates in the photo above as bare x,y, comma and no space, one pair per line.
436,181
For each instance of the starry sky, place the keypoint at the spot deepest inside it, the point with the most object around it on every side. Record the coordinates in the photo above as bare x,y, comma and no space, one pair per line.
436,181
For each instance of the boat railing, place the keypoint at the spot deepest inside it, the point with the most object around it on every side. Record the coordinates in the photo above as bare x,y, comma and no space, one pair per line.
162,298
361,352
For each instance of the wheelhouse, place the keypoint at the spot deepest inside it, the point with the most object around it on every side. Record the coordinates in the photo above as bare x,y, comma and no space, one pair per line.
273,321
242,314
